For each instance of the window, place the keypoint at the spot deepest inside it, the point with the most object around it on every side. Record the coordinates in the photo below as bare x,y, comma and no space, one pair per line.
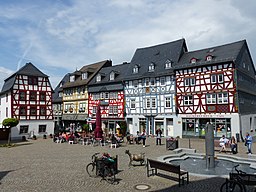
151,103
41,128
112,76
188,100
162,81
94,109
147,82
72,78
135,83
23,129
113,95
190,81
211,98
222,98
208,57
42,110
168,64
22,96
151,67
32,95
6,97
32,110
135,69
23,110
82,107
42,96
193,60
152,82
217,78
133,104
167,102
32,80
84,75
113,110
98,78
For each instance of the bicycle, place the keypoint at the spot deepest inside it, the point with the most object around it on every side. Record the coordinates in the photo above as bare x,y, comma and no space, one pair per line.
91,168
103,167
106,170
235,183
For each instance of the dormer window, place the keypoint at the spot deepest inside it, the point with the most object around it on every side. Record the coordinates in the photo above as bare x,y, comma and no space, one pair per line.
151,67
98,78
112,76
72,78
193,60
208,58
84,75
135,69
168,64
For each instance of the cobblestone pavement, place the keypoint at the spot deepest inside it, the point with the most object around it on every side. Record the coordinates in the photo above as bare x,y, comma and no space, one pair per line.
41,165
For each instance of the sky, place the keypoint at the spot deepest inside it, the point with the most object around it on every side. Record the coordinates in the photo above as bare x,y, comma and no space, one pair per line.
60,36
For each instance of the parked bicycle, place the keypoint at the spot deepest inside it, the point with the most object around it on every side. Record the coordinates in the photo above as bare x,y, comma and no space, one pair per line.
103,167
237,181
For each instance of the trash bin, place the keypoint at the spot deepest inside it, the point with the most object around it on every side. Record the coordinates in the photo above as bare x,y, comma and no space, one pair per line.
237,137
172,144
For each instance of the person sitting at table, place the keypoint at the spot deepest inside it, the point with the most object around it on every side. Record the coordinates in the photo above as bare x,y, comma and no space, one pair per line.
137,138
223,142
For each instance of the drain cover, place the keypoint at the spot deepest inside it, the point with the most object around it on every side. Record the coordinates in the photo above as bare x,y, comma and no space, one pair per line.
141,187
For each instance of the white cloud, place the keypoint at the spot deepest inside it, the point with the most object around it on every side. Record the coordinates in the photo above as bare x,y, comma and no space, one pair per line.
69,34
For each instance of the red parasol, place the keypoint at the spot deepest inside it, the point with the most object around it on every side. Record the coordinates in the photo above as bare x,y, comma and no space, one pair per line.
98,130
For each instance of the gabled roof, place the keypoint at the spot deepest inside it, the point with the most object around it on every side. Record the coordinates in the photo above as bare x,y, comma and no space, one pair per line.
158,55
106,83
28,69
92,70
222,53
55,96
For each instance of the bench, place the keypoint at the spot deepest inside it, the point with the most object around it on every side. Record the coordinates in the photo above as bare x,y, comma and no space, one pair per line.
217,146
153,166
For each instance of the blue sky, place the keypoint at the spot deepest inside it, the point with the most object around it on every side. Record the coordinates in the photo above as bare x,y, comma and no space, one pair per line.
60,36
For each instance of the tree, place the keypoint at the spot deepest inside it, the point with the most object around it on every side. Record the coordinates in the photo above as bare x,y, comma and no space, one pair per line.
9,123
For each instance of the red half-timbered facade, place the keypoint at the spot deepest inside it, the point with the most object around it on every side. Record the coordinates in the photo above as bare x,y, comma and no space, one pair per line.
107,90
30,100
211,88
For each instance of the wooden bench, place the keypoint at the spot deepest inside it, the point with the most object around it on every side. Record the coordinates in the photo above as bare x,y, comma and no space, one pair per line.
217,146
153,166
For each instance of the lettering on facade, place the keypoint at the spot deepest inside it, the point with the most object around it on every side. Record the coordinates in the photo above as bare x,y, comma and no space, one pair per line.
205,116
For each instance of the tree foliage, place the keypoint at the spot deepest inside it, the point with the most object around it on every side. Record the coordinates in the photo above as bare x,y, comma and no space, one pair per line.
10,122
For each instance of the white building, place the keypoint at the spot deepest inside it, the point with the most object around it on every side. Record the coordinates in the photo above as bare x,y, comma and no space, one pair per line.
27,95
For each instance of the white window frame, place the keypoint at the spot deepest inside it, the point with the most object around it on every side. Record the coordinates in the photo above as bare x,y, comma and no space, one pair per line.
222,98
167,102
133,104
217,78
98,78
211,98
162,81
72,78
112,76
135,69
84,75
189,81
151,67
168,64
188,100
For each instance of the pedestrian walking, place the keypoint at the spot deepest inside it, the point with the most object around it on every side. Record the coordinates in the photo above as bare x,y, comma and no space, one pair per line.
248,142
158,136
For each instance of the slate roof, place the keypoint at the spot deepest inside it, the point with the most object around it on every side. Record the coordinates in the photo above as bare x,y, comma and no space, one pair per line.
28,69
58,89
106,84
91,69
222,53
157,55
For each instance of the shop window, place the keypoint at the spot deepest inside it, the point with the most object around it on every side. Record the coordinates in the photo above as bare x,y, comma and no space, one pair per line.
23,129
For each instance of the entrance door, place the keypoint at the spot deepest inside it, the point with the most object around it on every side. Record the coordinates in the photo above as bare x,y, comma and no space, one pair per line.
169,128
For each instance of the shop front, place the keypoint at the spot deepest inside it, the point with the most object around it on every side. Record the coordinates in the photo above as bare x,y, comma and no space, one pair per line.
195,127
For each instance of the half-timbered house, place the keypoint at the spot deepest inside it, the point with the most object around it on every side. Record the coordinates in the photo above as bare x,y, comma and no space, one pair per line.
75,94
216,85
58,105
27,95
107,90
150,88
